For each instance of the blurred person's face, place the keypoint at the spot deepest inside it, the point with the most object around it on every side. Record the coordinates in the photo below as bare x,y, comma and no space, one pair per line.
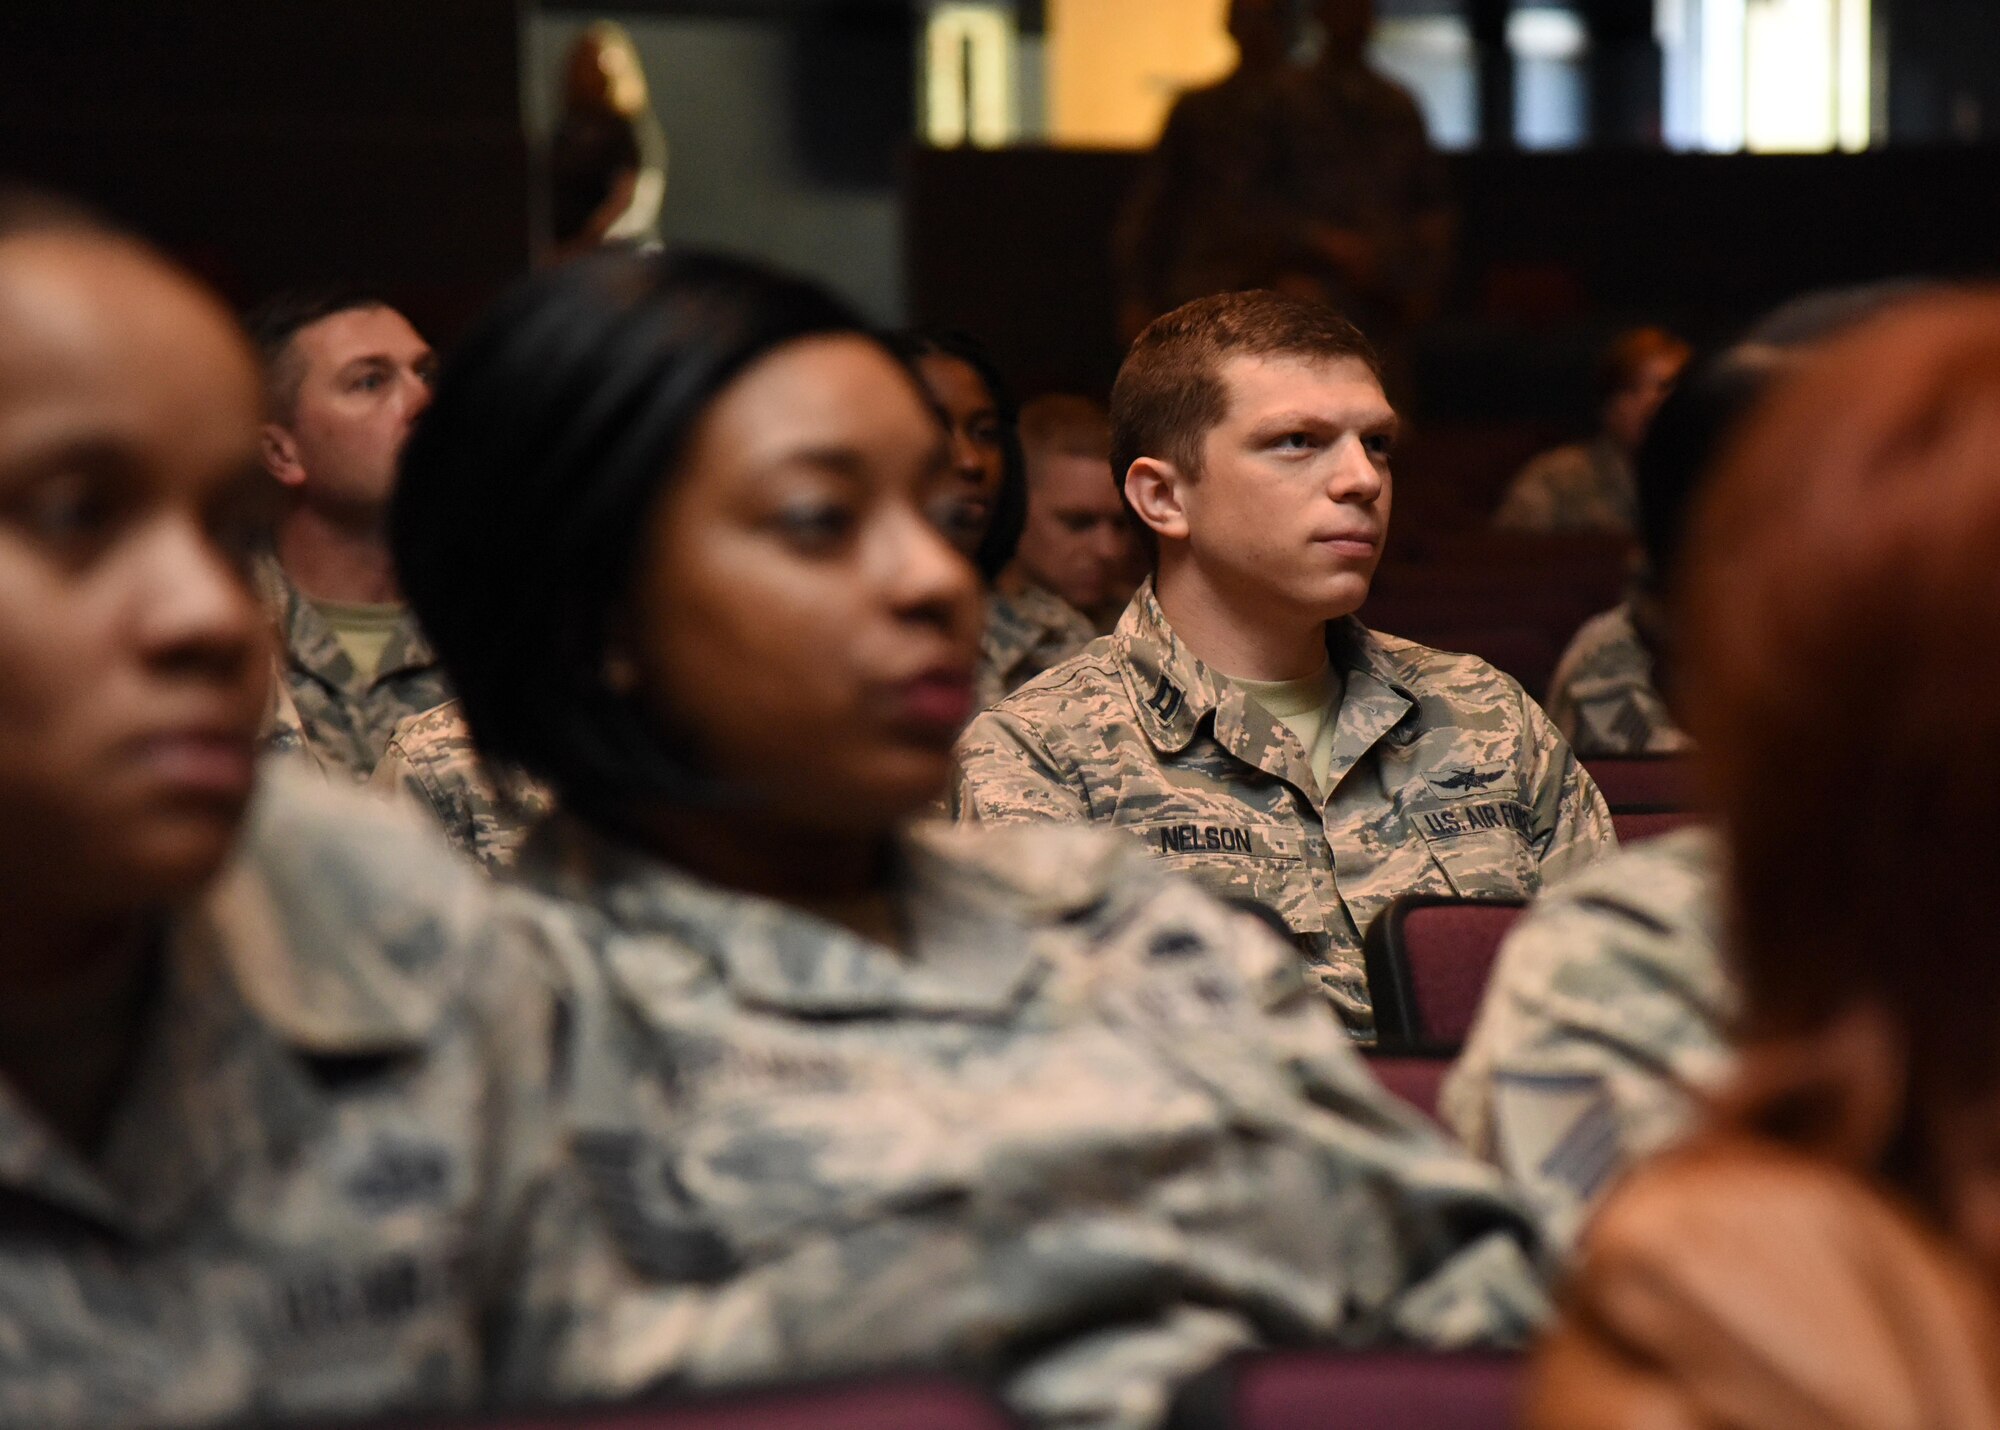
798,618
978,457
133,655
1346,26
363,377
1632,408
1077,541
1258,30
1290,510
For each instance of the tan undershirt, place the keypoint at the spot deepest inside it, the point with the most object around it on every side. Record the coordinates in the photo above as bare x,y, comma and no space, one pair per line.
1308,708
363,631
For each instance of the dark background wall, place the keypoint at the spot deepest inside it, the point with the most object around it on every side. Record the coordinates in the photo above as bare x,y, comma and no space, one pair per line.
271,142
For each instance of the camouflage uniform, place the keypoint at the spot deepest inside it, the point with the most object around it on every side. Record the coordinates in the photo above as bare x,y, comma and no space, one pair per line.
285,729
1446,779
1086,1131
1605,1022
309,1199
1603,698
431,759
347,724
1027,631
1586,487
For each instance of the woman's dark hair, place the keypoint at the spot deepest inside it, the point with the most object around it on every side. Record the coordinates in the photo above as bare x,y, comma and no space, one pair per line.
526,487
1010,507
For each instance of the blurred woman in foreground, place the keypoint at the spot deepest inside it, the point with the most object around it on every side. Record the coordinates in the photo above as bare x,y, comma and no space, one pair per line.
1828,1253
848,1093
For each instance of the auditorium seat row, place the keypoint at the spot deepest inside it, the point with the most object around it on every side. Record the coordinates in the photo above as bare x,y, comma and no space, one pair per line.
1280,1390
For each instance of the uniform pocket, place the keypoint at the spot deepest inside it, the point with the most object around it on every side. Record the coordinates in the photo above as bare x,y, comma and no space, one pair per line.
1264,863
1482,845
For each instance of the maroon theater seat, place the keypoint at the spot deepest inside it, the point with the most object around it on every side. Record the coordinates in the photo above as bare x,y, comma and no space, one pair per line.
1643,785
1343,1390
1428,960
1416,1080
1636,825
913,1403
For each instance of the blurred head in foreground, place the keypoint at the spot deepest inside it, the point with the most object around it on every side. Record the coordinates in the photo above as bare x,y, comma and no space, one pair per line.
133,657
1843,678
669,524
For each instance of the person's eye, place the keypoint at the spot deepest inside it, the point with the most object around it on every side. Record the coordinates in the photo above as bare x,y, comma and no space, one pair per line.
816,527
1077,525
986,434
368,382
70,514
1295,442
1379,445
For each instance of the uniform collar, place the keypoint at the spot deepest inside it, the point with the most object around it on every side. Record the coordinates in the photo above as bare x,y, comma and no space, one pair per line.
1173,691
977,903
311,646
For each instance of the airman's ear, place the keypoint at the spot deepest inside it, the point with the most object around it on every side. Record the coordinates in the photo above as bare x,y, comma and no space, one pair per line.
1156,490
281,455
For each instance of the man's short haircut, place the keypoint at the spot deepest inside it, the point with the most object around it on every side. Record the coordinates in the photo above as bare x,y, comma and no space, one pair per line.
1170,394
1062,424
276,321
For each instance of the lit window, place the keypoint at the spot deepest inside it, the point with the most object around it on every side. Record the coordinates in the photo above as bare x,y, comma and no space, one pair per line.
1768,75
969,76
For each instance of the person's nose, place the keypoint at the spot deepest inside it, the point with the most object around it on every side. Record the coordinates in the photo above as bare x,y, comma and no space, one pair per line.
1356,477
193,608
927,579
966,458
416,396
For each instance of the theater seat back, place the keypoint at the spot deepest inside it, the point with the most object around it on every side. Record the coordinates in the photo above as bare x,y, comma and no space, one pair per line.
1374,1390
912,1403
1428,961
1642,786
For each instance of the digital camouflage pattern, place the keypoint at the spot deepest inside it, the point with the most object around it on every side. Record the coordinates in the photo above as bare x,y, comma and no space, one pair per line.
1027,631
1446,779
432,760
1602,696
1606,1021
284,730
1586,487
348,724
1087,1131
310,1199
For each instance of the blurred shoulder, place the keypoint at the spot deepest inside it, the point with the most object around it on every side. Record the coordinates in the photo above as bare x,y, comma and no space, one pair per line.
344,917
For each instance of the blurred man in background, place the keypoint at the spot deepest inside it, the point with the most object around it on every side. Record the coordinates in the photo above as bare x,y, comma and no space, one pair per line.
346,375
1589,486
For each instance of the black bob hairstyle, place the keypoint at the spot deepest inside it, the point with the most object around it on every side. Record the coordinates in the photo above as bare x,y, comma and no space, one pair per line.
526,486
1010,507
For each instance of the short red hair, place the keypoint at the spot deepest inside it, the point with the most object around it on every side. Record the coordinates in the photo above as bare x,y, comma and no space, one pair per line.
1842,676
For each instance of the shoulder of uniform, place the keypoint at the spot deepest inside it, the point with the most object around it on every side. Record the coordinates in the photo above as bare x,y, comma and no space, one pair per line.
1428,671
346,921
1091,674
441,726
1664,885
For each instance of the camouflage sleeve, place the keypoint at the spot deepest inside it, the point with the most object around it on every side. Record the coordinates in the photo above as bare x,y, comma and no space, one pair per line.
399,776
1604,1021
1571,821
1005,772
1426,1243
